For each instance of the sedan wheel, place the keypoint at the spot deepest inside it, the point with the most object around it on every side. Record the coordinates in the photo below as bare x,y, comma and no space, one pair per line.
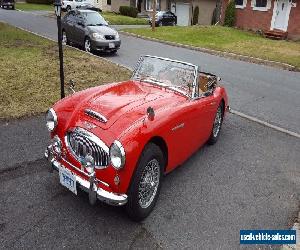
160,24
87,45
146,182
64,38
217,125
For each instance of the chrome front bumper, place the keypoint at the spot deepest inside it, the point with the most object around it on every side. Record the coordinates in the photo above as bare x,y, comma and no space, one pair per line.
97,192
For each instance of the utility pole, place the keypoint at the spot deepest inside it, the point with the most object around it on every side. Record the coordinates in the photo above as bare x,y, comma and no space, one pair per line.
153,15
57,5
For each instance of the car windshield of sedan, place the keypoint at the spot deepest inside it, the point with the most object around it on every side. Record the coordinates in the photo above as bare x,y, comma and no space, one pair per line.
175,75
94,19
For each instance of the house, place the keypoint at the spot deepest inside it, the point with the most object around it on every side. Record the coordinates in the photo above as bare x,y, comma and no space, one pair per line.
182,8
270,16
104,5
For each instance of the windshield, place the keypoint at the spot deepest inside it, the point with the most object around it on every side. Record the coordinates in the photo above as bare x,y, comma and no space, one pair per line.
175,75
93,19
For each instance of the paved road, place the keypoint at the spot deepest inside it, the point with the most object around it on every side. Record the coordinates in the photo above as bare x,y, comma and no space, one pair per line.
249,179
267,93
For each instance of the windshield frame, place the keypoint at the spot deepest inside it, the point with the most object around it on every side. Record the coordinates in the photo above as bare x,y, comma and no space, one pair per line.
194,85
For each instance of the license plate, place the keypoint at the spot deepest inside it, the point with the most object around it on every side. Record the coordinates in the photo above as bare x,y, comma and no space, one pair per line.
111,45
67,179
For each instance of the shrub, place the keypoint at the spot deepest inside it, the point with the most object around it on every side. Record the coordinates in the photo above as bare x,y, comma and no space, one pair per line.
196,15
230,14
40,1
128,11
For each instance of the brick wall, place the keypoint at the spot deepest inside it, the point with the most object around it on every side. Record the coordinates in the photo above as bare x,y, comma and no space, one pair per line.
294,22
248,18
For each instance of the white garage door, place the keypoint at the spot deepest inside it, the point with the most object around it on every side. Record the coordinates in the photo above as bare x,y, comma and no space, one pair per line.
183,14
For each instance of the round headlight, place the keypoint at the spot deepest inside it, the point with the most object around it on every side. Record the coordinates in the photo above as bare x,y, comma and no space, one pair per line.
51,119
117,155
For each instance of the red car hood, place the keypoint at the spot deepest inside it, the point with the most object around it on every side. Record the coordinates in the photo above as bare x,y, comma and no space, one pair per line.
127,101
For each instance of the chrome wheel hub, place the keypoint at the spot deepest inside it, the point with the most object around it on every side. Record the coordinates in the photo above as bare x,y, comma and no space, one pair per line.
87,46
149,183
64,38
217,122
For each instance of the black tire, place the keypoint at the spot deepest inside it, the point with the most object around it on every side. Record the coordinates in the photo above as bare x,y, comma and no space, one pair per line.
215,134
160,24
113,52
151,153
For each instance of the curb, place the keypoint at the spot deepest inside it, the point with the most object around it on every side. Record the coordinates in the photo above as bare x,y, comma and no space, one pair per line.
231,55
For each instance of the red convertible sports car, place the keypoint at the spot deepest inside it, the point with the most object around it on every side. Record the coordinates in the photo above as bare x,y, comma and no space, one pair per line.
117,141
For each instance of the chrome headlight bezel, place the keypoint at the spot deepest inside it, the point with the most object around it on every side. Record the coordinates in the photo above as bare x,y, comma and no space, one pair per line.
117,155
51,119
96,35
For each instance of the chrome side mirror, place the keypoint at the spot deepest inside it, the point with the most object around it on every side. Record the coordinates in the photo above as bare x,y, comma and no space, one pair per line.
219,79
72,86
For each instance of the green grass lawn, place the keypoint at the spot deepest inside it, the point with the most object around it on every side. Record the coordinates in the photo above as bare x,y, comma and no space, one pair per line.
112,18
33,6
228,40
116,19
29,81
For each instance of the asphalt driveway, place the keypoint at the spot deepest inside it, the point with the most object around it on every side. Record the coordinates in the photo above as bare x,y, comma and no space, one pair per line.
249,180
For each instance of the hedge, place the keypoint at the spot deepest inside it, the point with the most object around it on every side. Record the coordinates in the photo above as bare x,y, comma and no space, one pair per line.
40,1
128,11
230,14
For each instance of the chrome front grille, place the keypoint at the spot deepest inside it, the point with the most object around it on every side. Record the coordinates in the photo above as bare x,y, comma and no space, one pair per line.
82,143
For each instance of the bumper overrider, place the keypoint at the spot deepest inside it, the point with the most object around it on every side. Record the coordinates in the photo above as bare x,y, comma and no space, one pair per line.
90,186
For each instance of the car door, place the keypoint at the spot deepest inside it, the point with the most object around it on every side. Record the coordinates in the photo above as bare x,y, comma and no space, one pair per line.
79,28
189,128
68,25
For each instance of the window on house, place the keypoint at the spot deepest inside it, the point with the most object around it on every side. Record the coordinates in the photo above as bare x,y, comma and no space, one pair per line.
108,2
261,3
239,2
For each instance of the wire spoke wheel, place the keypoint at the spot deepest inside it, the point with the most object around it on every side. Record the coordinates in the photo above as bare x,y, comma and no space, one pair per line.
149,183
217,122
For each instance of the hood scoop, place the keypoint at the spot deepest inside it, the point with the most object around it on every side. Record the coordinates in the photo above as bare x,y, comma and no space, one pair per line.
96,115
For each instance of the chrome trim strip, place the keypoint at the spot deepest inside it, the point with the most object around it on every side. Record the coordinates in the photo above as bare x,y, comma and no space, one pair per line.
96,115
103,195
178,127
